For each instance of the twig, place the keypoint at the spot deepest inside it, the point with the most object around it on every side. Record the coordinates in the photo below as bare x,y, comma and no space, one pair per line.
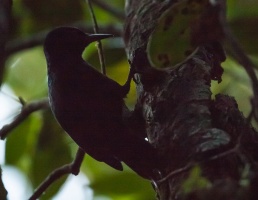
112,10
99,44
72,168
235,149
26,110
178,171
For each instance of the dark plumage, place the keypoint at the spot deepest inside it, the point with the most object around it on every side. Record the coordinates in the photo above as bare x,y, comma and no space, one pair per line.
88,105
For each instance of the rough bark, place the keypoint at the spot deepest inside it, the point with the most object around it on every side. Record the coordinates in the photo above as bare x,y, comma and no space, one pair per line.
183,123
5,10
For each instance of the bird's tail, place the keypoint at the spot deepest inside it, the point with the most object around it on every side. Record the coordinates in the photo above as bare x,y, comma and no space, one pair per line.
140,156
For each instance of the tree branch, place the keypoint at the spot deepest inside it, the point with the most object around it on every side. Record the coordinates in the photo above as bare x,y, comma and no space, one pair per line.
99,43
5,12
20,44
190,165
72,168
26,110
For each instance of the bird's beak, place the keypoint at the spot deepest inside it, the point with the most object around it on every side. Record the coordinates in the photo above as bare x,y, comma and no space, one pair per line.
96,37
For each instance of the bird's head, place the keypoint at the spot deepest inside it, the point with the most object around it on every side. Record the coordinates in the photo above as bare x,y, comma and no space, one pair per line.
68,42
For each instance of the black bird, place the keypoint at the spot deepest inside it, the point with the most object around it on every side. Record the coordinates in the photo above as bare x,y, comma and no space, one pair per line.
89,106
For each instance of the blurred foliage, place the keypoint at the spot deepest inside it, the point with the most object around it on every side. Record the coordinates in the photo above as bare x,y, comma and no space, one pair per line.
24,139
38,145
243,19
195,181
50,153
235,82
237,9
105,180
26,74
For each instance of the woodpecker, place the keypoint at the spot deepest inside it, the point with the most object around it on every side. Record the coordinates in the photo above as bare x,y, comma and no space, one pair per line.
89,106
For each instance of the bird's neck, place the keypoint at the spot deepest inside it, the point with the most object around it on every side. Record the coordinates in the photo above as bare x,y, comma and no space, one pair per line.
65,62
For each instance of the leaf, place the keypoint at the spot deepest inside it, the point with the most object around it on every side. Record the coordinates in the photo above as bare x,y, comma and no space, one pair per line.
234,76
181,29
121,185
26,73
104,180
21,141
195,181
117,68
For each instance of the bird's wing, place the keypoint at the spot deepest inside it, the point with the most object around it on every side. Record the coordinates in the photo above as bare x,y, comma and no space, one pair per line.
98,80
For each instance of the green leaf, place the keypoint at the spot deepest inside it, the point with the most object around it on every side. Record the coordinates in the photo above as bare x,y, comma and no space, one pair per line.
90,54
170,43
195,181
26,73
119,73
106,181
235,76
21,142
123,185
181,29
117,68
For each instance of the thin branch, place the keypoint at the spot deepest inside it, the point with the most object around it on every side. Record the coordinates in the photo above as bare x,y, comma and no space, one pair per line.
99,44
176,172
20,44
93,17
26,110
112,10
72,168
235,149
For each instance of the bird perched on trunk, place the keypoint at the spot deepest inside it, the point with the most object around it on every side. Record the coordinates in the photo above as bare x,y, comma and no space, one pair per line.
89,105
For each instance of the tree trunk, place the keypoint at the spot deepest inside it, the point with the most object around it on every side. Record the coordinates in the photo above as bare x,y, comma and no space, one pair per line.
5,9
188,128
